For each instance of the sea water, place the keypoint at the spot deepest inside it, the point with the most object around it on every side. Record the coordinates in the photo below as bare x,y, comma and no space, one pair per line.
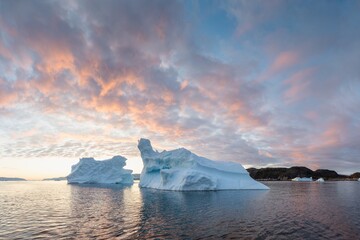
289,210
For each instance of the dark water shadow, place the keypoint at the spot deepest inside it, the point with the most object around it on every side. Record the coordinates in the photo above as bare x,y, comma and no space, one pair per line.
101,185
100,211
169,214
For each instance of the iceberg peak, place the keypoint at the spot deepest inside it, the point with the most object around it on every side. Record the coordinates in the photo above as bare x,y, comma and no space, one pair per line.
145,147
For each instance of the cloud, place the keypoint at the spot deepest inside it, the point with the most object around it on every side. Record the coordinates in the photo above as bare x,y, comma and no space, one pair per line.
90,78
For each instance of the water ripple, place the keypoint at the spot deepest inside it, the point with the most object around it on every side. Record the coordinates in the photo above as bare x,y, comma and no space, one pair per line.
55,210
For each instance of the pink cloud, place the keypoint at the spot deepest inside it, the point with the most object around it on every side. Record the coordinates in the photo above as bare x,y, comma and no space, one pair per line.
298,83
7,94
284,61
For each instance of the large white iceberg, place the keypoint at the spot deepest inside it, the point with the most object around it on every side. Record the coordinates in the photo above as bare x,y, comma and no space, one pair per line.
302,179
183,170
89,170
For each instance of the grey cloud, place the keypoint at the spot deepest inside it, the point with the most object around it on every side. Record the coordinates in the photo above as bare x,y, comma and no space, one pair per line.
222,112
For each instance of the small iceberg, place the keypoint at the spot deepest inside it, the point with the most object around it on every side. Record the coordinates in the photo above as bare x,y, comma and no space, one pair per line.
320,180
359,179
89,170
182,170
302,179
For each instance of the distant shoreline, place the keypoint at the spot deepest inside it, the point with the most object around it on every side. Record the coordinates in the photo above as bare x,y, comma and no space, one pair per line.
329,180
259,174
11,179
286,174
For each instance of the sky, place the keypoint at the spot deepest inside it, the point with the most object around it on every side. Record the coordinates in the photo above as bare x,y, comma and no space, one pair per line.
262,83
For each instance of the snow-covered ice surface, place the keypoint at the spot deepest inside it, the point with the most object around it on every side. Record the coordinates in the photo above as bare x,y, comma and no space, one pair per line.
320,180
304,179
183,170
89,170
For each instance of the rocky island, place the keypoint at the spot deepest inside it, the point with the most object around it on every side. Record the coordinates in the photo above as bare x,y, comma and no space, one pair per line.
11,179
286,174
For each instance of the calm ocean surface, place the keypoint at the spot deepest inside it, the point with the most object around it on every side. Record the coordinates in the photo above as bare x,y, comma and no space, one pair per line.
56,210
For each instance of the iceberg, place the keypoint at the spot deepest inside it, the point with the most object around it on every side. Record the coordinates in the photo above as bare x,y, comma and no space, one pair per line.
89,170
320,180
182,170
302,179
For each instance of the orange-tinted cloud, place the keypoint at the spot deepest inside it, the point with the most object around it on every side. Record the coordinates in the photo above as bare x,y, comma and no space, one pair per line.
89,76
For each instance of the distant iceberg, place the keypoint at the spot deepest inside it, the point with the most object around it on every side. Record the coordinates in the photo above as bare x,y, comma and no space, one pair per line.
183,170
89,170
302,179
320,180
55,179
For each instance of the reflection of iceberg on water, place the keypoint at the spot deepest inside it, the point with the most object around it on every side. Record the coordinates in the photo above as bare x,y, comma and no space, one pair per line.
302,179
182,170
89,170
320,180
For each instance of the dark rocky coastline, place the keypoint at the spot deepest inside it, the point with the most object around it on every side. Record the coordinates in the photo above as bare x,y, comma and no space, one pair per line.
285,174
